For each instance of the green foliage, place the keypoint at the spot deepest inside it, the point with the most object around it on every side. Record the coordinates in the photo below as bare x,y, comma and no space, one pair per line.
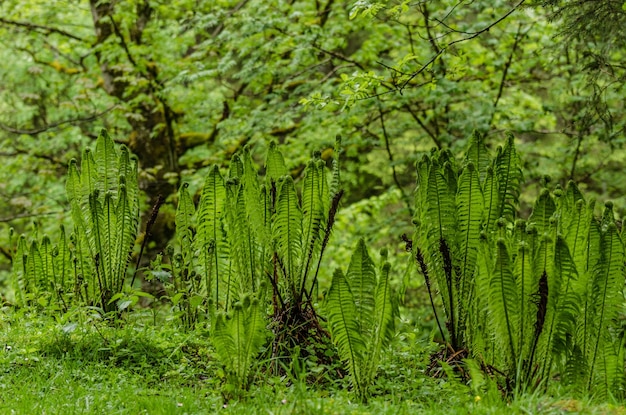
90,266
238,337
531,298
361,315
247,236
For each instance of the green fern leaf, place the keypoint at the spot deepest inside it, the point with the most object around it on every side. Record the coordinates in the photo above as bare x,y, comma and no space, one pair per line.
287,231
384,313
504,301
275,163
126,233
19,271
335,184
235,169
543,210
185,212
106,162
470,203
208,241
606,294
313,216
361,278
237,339
507,167
242,242
527,305
478,154
345,332
491,192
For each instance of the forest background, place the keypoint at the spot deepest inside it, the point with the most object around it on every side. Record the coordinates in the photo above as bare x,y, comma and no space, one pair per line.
185,84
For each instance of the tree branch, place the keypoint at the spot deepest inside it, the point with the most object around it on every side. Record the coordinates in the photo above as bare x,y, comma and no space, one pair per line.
465,39
27,215
405,198
14,130
45,29
518,36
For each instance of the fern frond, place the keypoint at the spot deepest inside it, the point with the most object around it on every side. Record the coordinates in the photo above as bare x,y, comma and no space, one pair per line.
48,273
34,270
504,302
88,175
254,201
126,232
527,306
313,215
106,162
208,241
237,339
242,242
508,168
491,193
607,292
478,154
543,210
335,184
287,231
63,262
361,278
275,163
440,219
235,169
470,203
342,320
384,315
19,273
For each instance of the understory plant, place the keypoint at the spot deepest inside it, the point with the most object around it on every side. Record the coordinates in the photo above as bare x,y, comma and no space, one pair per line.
88,266
531,299
254,245
361,314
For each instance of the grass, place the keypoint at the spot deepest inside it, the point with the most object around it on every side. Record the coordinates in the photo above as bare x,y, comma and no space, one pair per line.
79,364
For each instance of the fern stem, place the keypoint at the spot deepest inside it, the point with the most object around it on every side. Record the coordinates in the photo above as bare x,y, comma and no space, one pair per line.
419,258
147,234
332,211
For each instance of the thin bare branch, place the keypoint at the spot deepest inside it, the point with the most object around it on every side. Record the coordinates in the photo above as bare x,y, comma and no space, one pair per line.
88,118
40,28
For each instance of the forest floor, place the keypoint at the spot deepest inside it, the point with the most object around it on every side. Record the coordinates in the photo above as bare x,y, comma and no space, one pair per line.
79,364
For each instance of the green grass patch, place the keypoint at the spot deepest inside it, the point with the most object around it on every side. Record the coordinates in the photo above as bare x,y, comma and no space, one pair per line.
83,365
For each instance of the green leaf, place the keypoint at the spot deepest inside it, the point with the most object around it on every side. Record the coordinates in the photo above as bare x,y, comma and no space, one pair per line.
345,332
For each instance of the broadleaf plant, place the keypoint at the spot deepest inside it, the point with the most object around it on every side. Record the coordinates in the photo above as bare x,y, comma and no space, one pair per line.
531,298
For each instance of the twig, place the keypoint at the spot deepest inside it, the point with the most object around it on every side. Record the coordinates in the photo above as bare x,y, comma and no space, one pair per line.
424,127
518,36
442,50
28,215
40,130
405,198
46,29
339,56
148,233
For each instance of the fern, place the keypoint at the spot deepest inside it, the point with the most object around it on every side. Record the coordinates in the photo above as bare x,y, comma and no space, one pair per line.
361,317
208,243
103,197
554,282
238,338
287,233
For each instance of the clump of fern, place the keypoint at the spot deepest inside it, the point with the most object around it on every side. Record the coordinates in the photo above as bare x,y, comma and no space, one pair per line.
530,298
361,314
260,237
88,266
